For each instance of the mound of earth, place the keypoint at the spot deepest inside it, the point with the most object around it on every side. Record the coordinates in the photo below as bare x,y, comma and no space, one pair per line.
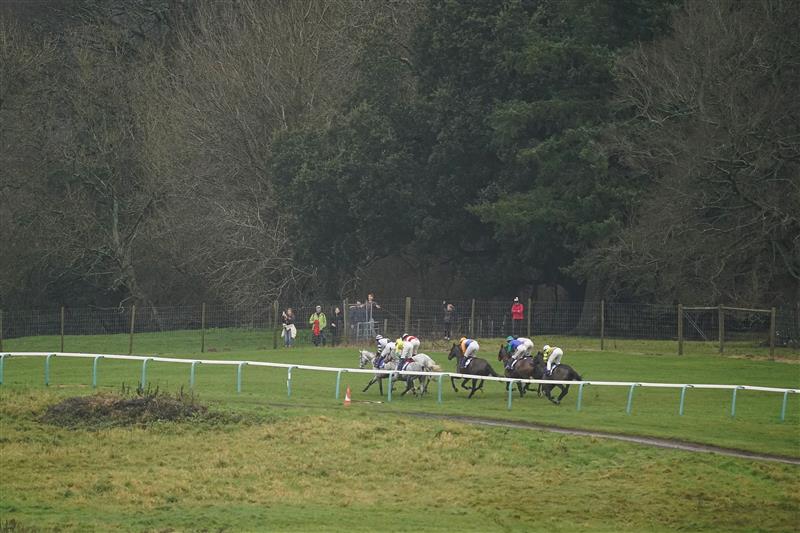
141,408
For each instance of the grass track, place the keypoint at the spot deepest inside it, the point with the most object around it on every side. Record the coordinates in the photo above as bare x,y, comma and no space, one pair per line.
308,463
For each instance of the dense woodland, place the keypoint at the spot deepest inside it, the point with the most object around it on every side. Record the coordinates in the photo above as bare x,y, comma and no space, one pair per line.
169,151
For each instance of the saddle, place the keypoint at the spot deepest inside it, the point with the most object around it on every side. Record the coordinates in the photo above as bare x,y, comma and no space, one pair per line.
466,362
403,364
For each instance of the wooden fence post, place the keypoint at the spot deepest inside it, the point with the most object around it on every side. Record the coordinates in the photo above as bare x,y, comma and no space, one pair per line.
602,324
680,329
472,319
407,324
133,321
203,328
530,312
275,325
344,335
62,328
772,318
721,320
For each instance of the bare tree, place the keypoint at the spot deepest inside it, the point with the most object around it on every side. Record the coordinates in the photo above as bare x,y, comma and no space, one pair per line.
717,131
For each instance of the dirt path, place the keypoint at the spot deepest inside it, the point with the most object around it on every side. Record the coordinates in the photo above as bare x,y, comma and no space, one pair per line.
647,441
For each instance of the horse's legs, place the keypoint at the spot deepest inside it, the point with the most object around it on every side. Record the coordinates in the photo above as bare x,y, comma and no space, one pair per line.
453,383
409,386
464,383
521,389
474,388
371,382
564,391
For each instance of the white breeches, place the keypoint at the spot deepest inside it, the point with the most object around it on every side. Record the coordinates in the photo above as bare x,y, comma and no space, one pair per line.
555,358
524,349
472,350
410,348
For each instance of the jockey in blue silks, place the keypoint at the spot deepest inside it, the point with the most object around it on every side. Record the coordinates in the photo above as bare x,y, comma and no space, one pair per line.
380,345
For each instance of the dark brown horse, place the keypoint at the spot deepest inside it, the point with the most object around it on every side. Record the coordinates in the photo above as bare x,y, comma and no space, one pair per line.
477,367
523,369
560,373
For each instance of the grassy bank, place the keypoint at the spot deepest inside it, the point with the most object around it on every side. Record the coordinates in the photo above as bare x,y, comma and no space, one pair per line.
299,468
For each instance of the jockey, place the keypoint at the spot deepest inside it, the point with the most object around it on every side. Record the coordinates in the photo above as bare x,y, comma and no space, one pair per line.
469,348
399,348
387,353
380,344
523,348
551,354
410,346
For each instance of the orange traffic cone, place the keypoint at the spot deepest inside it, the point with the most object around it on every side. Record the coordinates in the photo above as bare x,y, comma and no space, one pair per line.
347,397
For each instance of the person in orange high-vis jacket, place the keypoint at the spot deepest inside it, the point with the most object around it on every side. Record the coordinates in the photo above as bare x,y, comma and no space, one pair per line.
517,316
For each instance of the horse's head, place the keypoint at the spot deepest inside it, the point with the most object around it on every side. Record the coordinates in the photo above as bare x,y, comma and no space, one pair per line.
455,351
365,358
538,359
502,355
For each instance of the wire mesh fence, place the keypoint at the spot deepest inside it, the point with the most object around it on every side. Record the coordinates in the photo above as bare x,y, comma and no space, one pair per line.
203,327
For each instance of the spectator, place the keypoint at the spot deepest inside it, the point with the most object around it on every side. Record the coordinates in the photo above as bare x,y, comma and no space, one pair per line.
517,316
337,321
289,329
449,318
318,321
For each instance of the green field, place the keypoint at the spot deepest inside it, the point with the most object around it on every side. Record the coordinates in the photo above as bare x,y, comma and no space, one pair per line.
307,463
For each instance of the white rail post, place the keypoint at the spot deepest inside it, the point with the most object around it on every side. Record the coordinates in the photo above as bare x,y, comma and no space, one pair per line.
239,376
289,382
94,370
191,374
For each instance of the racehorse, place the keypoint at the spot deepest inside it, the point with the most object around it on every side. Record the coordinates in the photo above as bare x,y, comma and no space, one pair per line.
523,369
366,357
428,364
477,367
560,373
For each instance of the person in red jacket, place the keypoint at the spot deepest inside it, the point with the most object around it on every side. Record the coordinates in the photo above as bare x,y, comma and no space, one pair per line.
517,316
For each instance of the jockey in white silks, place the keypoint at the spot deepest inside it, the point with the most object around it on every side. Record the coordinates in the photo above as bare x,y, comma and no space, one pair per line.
388,352
552,354
380,345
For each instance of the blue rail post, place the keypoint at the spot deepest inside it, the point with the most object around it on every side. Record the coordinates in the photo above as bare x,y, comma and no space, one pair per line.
339,381
94,370
630,398
239,376
439,398
580,396
144,371
191,374
510,393
2,364
389,394
683,397
47,369
289,382
783,407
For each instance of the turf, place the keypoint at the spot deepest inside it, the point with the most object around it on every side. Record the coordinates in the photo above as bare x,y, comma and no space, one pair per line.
306,462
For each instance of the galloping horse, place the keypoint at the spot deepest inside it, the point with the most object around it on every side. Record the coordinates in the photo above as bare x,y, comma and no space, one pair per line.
523,369
560,373
477,367
368,358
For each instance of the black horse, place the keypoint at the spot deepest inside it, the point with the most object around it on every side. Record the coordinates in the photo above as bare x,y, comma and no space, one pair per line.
523,369
560,373
477,367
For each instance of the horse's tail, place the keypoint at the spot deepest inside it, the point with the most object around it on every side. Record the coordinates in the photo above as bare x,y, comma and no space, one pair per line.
492,372
435,368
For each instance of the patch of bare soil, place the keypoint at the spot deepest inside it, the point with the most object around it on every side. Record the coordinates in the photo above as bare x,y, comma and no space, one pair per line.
130,408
